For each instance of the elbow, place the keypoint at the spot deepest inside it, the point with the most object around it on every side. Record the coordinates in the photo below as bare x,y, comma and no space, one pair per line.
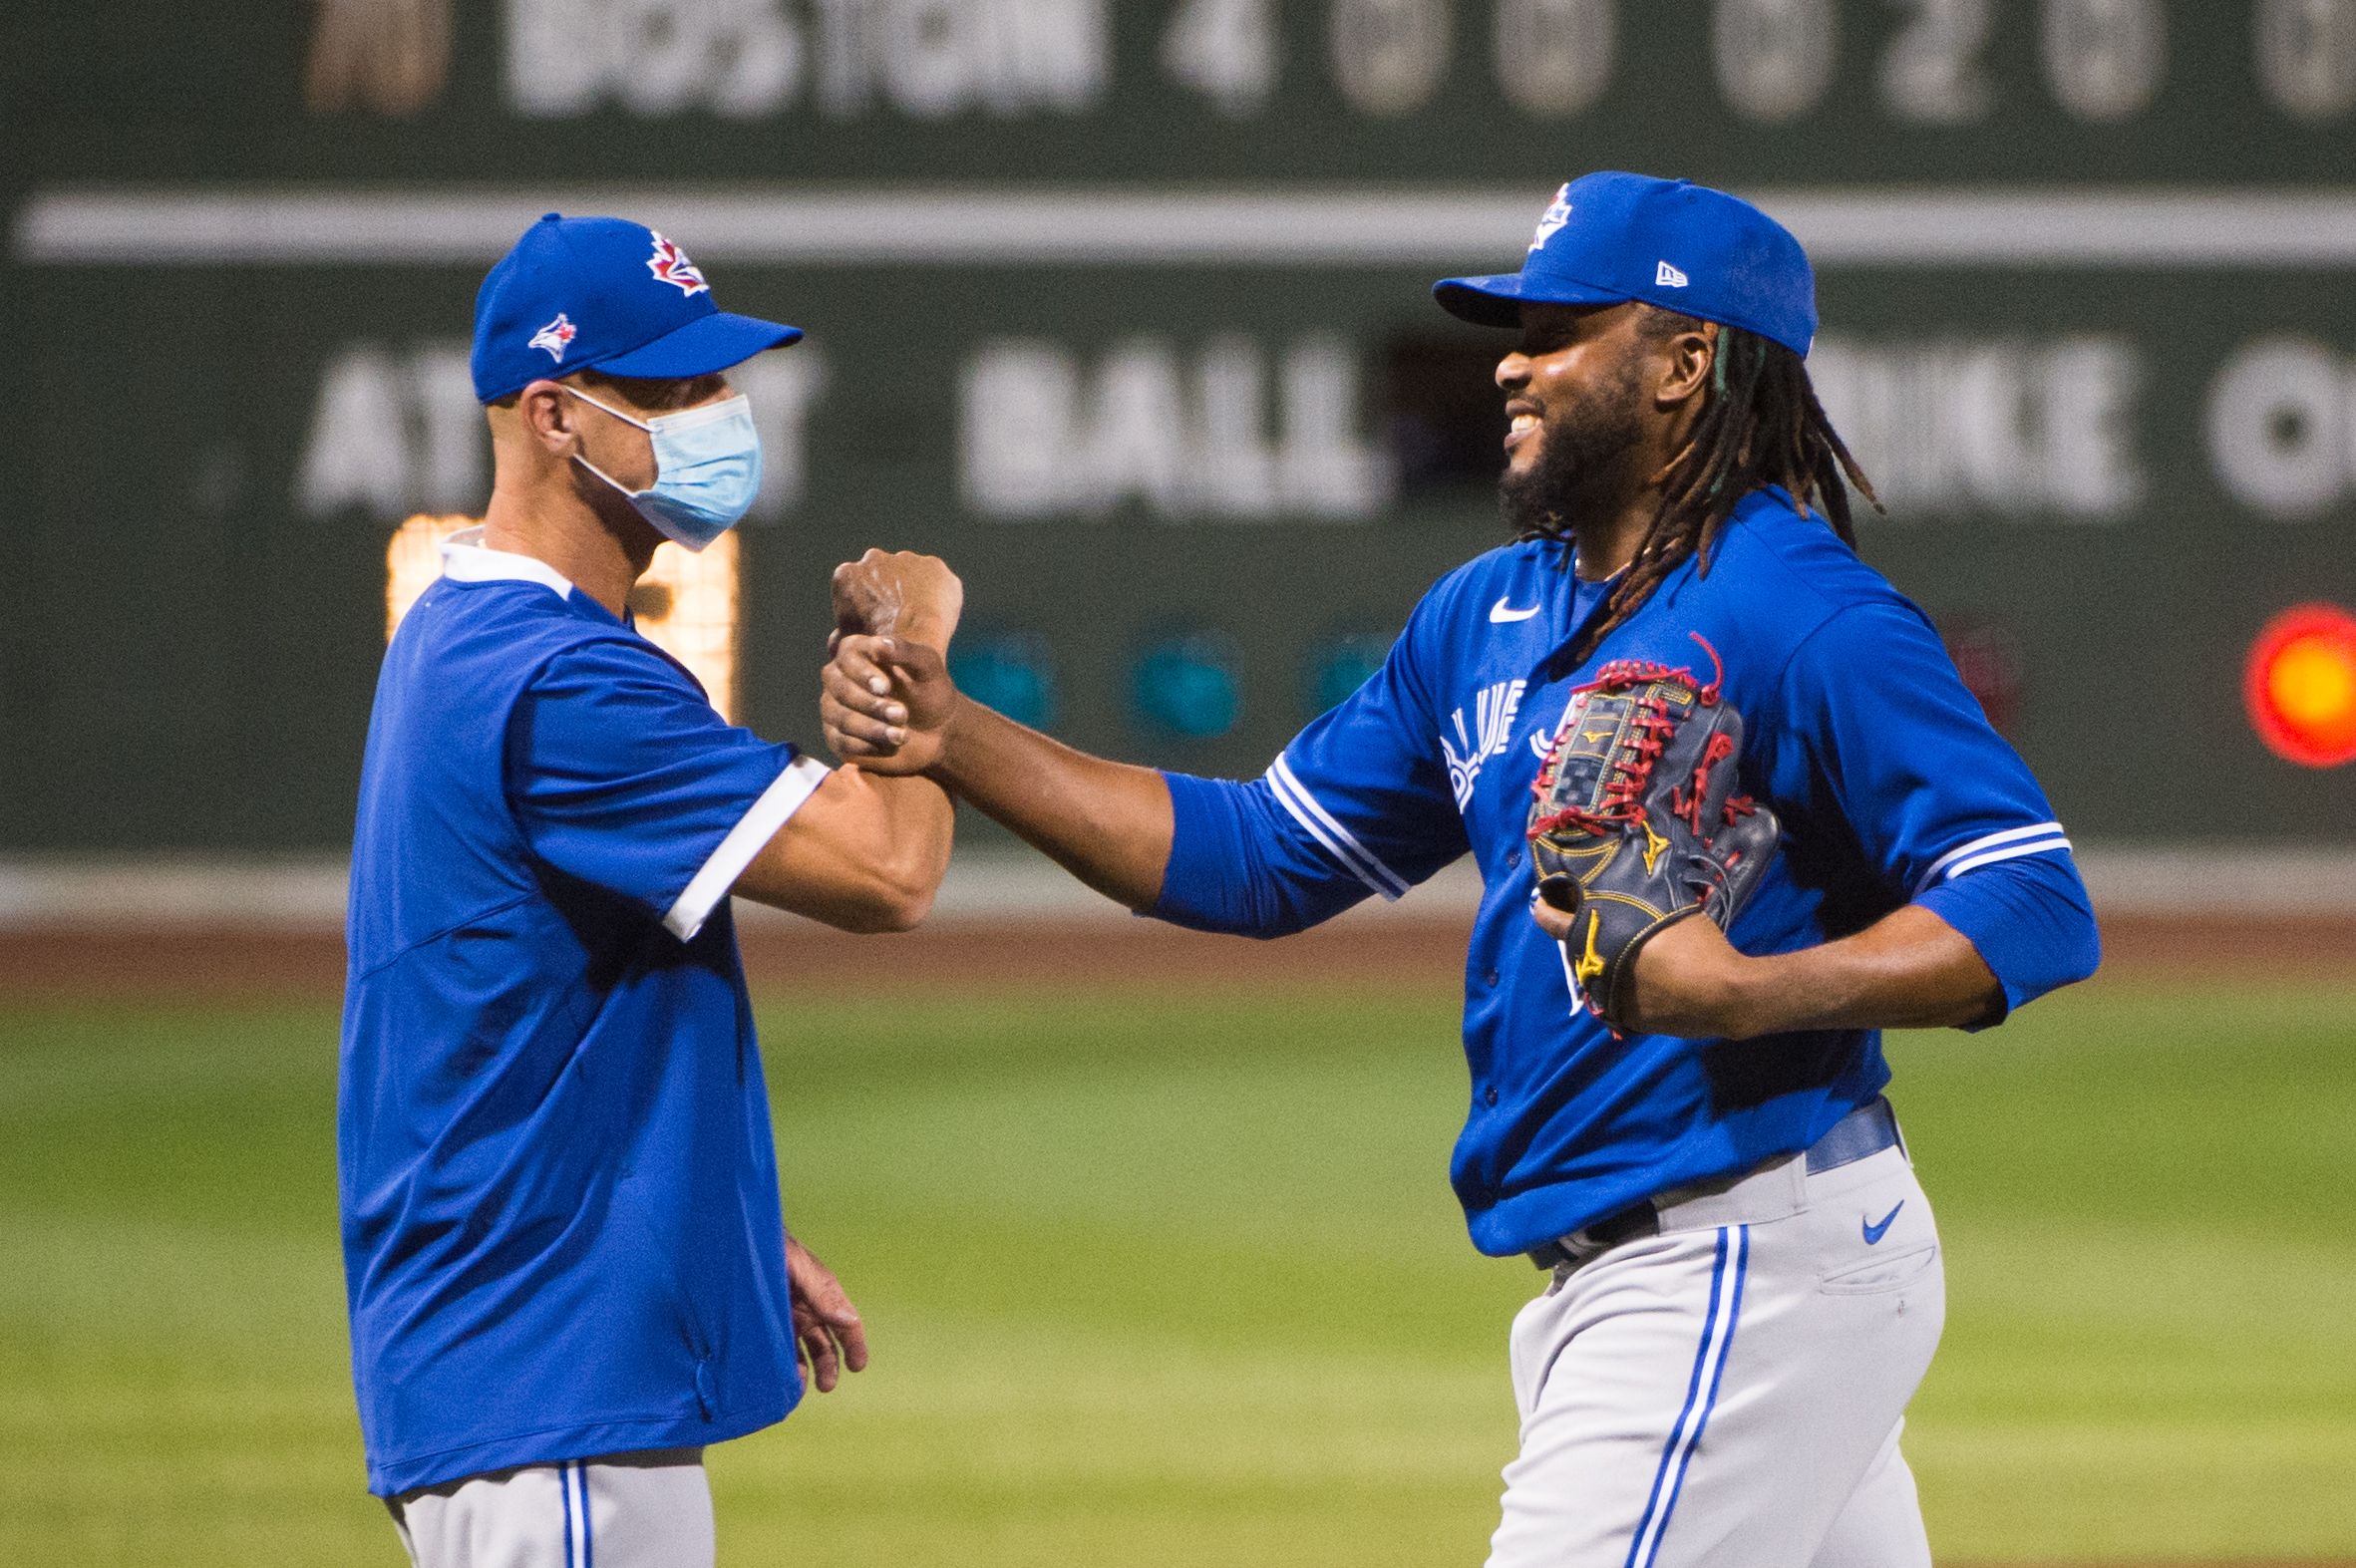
2074,956
2086,954
901,891
899,910
2079,945
2029,919
880,911
1258,922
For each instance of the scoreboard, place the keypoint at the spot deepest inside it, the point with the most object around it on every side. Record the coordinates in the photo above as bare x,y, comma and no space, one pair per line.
1122,306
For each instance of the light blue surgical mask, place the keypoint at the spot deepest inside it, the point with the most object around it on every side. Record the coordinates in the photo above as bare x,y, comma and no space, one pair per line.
707,469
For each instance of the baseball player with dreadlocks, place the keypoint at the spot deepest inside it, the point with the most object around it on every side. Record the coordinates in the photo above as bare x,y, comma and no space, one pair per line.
1687,1132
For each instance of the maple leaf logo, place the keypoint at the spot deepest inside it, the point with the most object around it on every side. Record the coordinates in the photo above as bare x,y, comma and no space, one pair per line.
670,264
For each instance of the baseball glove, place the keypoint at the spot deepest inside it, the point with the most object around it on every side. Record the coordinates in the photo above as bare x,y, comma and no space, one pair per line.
1636,824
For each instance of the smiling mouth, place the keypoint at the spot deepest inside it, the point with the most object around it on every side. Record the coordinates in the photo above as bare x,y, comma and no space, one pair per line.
1522,425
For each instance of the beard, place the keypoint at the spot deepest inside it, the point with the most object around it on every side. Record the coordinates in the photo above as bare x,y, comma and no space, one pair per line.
1580,451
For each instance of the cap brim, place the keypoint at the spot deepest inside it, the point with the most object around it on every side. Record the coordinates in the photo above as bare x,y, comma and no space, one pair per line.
1497,300
705,345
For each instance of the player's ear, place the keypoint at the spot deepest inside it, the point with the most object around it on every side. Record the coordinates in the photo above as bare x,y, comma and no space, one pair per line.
549,416
1687,361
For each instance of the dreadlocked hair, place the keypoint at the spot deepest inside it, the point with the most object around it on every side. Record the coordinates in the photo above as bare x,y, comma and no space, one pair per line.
1762,424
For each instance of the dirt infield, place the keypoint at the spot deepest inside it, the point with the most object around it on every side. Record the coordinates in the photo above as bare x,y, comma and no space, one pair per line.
263,962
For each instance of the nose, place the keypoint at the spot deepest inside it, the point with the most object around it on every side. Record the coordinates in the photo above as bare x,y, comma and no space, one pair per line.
1513,371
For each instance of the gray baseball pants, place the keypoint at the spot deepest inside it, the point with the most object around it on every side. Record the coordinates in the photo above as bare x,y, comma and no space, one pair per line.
628,1510
1727,1393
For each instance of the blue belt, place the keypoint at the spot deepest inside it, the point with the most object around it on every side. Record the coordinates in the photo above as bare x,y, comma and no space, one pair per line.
1869,1129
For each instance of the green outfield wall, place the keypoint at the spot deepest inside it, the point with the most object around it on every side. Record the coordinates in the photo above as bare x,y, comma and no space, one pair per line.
1124,308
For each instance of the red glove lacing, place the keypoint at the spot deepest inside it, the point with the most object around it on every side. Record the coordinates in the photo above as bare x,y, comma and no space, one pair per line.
1630,767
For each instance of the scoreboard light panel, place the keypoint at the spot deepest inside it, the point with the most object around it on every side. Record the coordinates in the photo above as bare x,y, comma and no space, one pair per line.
685,604
2300,685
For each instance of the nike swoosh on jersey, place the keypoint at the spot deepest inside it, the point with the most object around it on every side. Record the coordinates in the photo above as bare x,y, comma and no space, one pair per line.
1502,613
1873,1232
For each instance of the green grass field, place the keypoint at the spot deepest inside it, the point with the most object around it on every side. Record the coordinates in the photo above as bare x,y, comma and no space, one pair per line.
1181,1282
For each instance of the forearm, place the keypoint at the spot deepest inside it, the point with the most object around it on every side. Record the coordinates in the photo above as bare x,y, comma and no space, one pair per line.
864,853
1106,822
920,825
1908,970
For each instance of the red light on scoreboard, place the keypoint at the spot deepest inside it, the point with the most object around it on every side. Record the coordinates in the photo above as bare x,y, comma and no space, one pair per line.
2300,685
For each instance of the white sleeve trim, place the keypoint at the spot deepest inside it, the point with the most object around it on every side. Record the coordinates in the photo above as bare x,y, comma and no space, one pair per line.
756,828
1989,849
1354,856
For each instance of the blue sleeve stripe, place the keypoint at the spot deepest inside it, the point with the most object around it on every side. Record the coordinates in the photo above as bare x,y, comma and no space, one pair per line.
1354,856
1734,1314
564,1490
1992,847
588,1527
1709,1369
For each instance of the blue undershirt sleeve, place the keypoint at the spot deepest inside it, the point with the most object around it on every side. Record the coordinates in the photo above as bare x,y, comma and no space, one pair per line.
1360,802
1944,810
2030,920
1233,868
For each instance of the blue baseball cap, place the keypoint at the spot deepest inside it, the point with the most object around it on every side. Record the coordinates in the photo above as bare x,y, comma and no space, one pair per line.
603,292
1612,237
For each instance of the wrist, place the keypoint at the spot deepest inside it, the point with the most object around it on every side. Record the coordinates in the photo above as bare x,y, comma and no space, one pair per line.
1760,997
1727,1005
942,769
932,631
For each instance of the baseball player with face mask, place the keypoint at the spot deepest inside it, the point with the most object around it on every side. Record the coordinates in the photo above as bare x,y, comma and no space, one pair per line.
1743,1281
566,1266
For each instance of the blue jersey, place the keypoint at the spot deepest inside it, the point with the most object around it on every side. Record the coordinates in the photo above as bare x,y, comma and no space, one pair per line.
1890,785
560,1221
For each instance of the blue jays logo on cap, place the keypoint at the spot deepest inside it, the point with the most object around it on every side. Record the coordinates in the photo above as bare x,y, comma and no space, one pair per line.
670,263
555,337
1555,216
1612,237
608,294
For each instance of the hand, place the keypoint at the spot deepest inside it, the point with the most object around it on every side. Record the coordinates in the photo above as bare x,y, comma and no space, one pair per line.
1689,981
826,1326
885,704
1555,906
899,594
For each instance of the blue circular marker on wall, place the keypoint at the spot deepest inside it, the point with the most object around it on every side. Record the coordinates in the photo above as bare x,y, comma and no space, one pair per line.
1009,671
1339,666
1186,686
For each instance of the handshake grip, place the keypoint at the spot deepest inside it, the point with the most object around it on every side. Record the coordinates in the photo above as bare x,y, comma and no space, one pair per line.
884,692
1635,821
897,593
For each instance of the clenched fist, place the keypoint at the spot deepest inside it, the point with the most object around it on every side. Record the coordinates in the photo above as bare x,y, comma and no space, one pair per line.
886,704
898,593
885,696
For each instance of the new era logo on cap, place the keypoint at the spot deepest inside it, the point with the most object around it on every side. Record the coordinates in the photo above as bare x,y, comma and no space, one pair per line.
555,337
1734,264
